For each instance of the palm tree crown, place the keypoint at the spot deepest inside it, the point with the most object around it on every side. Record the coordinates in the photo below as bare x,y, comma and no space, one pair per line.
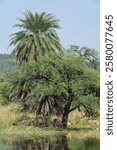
37,37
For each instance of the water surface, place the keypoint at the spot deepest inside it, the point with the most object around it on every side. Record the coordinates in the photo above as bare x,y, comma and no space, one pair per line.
58,142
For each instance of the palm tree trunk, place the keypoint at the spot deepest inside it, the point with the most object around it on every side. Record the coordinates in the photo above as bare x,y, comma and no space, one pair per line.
36,40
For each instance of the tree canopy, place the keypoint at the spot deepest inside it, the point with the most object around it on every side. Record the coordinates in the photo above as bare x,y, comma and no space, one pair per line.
37,36
57,85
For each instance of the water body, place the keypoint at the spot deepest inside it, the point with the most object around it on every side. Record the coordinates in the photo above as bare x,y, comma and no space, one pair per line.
59,142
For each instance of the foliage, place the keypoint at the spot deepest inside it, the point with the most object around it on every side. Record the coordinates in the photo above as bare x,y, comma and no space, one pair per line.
37,36
57,85
3,89
90,55
7,63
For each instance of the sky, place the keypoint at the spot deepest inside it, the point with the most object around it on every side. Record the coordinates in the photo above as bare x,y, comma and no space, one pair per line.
79,20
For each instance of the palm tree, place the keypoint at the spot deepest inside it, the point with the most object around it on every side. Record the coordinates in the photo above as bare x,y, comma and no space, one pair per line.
37,37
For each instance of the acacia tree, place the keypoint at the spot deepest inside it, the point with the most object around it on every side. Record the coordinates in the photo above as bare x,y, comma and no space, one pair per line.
37,36
74,85
90,55
58,85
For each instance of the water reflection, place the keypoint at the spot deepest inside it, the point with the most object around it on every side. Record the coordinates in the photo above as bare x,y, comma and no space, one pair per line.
60,142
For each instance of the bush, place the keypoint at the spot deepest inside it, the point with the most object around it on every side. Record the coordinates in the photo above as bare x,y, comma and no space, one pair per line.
3,100
3,90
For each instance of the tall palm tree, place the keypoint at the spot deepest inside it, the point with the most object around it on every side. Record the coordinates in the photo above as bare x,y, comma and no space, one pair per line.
36,38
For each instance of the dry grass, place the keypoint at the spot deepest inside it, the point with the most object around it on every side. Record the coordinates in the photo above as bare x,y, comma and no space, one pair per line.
76,119
81,125
8,114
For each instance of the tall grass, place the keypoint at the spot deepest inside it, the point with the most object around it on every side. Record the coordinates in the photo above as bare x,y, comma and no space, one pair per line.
9,114
77,120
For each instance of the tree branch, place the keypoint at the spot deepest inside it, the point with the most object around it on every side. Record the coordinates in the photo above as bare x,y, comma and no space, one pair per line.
72,109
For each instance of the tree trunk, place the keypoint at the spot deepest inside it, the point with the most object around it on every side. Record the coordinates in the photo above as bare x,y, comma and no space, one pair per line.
64,121
65,115
39,107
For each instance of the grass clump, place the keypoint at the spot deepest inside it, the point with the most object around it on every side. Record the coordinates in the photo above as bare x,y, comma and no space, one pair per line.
29,131
77,120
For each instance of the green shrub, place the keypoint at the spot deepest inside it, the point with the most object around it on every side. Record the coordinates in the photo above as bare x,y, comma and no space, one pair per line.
3,90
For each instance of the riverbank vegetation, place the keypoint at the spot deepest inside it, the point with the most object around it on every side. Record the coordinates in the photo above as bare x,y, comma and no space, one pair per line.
9,114
50,84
